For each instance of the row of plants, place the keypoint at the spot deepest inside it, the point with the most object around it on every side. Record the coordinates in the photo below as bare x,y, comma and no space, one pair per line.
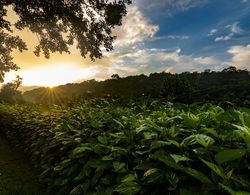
103,147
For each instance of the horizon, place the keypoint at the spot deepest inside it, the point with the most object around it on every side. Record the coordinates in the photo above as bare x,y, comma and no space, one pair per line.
24,88
155,36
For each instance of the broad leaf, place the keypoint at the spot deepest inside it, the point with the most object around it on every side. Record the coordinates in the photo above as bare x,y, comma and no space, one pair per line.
218,170
229,155
128,188
169,161
177,158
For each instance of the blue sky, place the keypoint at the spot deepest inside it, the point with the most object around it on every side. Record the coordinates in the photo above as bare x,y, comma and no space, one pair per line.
187,35
157,35
197,22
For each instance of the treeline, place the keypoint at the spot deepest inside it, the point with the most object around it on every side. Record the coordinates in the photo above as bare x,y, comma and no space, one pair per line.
230,84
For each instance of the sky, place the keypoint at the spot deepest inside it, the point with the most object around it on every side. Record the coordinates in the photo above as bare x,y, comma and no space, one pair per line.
157,35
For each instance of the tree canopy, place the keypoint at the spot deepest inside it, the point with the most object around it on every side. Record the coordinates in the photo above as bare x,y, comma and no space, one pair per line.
59,24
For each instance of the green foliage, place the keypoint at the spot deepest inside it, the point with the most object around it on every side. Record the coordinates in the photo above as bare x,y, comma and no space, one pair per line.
105,147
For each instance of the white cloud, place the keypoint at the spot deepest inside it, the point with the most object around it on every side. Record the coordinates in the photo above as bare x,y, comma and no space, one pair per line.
241,56
224,38
138,61
180,37
234,28
146,61
170,69
136,28
212,32
207,60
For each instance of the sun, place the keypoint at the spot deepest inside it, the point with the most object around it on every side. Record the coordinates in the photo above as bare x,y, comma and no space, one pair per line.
54,75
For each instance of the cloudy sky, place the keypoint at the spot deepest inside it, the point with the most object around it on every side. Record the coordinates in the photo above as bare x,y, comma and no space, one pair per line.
156,35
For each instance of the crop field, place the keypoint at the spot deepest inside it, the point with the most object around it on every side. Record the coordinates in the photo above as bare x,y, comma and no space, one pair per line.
101,146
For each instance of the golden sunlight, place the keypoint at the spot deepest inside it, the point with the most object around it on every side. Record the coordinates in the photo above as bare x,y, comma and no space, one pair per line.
53,75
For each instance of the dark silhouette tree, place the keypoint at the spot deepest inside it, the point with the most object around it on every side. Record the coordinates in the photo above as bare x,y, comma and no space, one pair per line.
17,82
59,24
115,76
230,69
9,92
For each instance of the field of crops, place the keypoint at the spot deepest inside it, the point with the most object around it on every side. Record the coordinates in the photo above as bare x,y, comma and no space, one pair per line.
103,147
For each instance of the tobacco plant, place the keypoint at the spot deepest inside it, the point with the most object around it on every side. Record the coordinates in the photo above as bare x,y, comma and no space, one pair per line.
103,147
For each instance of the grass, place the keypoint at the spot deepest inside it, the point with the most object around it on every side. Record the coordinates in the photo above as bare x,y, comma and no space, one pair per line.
17,177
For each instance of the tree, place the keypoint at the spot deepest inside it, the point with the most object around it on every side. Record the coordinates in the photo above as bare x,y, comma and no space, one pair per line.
9,92
59,24
230,69
115,76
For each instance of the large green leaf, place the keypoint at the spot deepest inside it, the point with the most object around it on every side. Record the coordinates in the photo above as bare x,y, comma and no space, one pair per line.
169,161
244,118
79,150
244,129
160,144
150,172
177,158
119,166
128,188
128,178
211,131
229,155
128,185
202,139
198,175
190,120
102,140
231,191
218,170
